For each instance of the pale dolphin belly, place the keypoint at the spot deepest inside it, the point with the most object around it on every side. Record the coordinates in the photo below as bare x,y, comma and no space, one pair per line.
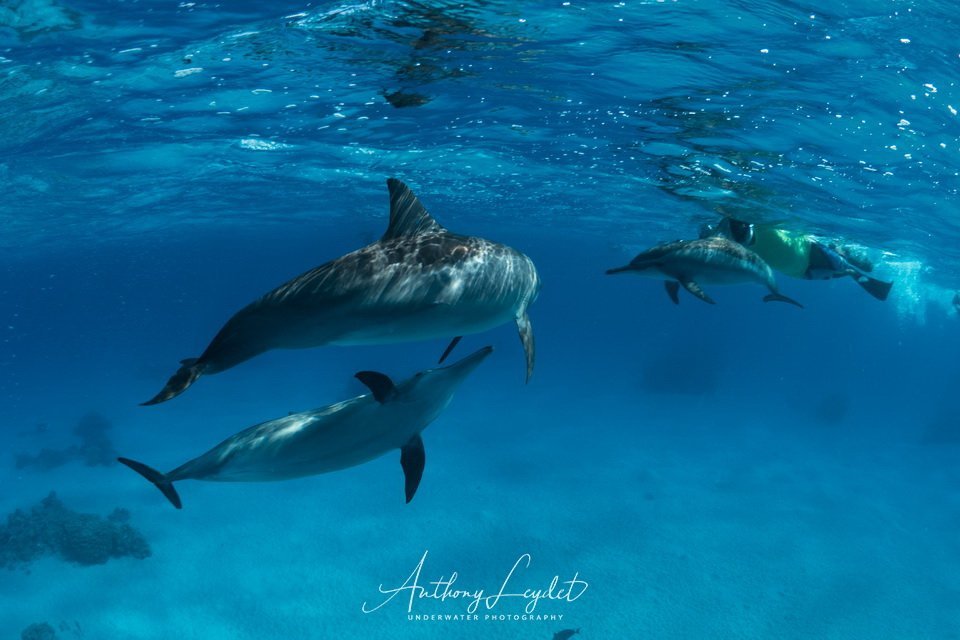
426,327
304,444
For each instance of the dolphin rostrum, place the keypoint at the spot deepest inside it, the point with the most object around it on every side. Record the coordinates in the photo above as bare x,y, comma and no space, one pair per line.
714,260
419,281
335,437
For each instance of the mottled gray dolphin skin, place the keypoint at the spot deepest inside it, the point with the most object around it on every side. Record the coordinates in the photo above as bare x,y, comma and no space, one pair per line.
418,282
714,260
335,437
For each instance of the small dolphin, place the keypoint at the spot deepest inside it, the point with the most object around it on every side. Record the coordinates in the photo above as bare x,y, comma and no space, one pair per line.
714,260
566,634
418,282
956,301
335,437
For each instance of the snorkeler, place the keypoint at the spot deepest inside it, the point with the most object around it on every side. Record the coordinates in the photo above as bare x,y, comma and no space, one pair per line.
801,255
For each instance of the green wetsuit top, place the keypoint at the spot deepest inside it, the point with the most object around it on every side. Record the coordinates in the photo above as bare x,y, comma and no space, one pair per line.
785,251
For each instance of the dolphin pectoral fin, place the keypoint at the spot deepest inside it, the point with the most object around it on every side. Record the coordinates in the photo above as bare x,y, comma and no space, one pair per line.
877,288
158,479
408,217
695,289
673,290
450,347
412,459
779,297
379,384
186,375
526,338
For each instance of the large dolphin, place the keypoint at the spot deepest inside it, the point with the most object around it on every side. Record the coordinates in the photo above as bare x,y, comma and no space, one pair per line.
417,282
335,437
714,260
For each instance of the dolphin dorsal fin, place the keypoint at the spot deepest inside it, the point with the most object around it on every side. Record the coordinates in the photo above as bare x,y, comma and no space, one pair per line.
379,384
407,216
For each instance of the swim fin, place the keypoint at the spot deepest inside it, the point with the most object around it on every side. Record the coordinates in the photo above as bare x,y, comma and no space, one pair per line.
877,288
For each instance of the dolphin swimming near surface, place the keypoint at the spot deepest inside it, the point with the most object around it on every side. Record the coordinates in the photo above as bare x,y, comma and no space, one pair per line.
417,282
713,260
345,434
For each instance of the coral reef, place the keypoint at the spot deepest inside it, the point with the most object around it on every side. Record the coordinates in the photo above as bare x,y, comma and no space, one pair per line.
80,538
38,631
47,458
95,448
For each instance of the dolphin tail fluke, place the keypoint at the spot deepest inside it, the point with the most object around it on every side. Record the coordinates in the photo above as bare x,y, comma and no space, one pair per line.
779,297
186,375
159,480
877,288
526,337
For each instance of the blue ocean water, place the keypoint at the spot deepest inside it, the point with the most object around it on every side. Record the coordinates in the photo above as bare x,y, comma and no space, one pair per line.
740,470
